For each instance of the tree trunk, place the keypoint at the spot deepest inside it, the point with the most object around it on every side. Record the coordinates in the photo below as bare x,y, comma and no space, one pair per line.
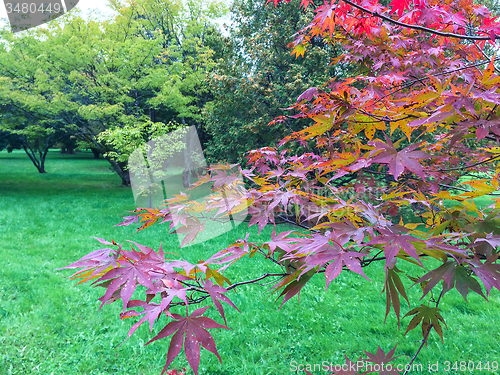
119,168
96,153
39,162
67,150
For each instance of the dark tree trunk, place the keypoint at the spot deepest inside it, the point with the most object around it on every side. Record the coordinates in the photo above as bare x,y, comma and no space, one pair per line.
38,161
186,178
96,153
67,150
119,168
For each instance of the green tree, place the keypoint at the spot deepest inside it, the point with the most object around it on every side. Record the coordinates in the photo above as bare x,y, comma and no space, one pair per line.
144,68
258,77
25,94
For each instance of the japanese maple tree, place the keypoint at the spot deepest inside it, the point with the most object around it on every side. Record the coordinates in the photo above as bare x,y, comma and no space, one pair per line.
421,112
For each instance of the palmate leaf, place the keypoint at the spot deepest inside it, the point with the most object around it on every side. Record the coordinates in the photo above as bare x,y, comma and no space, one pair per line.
431,279
395,242
488,272
392,286
429,317
151,312
96,263
294,284
400,6
320,252
350,259
194,327
464,282
281,241
453,275
129,220
368,124
382,359
399,161
134,269
215,292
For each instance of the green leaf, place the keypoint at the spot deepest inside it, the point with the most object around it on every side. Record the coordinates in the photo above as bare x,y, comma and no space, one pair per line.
429,317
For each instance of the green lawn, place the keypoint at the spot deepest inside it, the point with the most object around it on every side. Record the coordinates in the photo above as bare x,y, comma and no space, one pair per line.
48,326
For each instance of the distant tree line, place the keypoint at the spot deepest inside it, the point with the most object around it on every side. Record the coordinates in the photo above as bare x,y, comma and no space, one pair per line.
111,85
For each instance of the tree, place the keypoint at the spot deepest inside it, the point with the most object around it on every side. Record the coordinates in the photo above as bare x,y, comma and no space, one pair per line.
424,80
25,91
257,77
145,67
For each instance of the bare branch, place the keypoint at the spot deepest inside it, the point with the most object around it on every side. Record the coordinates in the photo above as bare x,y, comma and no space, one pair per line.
418,27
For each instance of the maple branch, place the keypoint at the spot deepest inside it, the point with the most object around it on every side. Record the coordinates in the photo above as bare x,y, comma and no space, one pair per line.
411,83
257,279
418,27
365,263
455,187
467,166
286,220
492,111
419,349
446,170
487,57
269,257
193,301
462,189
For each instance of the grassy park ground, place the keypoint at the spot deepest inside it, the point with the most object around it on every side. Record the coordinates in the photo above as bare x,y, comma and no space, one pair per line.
48,326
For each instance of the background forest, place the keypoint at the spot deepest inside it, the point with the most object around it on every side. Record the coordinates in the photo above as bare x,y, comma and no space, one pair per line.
110,85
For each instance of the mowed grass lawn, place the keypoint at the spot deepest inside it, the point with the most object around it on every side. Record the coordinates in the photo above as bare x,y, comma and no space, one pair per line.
49,326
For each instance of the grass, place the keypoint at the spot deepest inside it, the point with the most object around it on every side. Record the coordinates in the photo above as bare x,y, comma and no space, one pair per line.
48,326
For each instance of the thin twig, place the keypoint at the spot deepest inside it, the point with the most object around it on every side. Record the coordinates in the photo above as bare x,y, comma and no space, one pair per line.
257,279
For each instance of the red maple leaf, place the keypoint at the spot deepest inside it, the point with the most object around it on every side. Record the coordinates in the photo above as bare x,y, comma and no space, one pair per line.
488,272
191,228
129,220
125,278
400,6
453,275
215,292
309,93
320,252
280,241
394,242
382,360
97,261
195,328
399,161
151,312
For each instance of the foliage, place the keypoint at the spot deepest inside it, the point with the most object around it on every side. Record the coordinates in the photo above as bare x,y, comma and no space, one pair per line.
9,141
144,69
422,78
257,77
24,93
129,138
